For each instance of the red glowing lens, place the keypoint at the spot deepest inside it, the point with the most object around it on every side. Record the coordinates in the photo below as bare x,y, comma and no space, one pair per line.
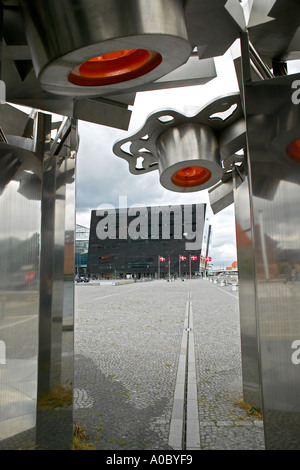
293,150
115,67
191,176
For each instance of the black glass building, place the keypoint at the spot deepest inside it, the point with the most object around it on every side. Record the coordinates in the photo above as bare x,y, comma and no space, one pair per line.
135,241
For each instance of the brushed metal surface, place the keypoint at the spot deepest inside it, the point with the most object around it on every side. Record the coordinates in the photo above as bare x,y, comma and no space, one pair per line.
221,196
19,303
247,293
62,35
212,33
222,118
37,278
274,29
275,219
184,146
55,352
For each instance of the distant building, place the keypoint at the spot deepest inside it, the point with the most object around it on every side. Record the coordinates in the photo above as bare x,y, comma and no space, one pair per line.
128,242
233,267
81,249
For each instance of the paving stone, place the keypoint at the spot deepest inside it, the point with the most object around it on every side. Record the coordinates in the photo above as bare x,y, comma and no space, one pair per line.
128,344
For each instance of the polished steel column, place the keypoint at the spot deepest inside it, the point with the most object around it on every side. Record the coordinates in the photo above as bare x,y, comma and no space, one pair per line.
55,378
37,203
247,292
273,122
20,222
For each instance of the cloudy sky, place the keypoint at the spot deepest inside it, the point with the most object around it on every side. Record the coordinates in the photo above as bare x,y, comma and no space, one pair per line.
102,177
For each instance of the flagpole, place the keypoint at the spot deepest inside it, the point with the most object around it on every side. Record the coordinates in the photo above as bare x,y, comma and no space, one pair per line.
190,268
179,267
158,274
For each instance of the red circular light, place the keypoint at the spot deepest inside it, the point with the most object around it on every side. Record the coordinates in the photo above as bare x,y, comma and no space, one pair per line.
115,67
293,150
191,176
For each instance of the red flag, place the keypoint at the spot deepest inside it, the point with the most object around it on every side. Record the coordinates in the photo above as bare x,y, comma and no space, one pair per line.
29,277
182,258
162,259
193,258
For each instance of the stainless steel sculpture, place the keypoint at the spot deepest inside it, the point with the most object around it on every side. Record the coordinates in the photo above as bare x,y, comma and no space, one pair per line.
37,277
191,153
272,120
106,46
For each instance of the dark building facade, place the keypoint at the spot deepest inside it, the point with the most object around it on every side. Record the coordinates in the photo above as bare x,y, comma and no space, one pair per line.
146,241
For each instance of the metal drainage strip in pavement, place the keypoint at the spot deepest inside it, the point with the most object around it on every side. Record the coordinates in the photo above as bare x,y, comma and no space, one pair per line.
184,428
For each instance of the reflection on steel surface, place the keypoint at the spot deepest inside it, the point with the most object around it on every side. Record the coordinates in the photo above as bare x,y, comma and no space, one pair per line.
248,320
37,175
36,319
107,46
171,142
272,122
19,55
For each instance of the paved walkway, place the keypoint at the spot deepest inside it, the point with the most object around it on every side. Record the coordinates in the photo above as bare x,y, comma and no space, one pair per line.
137,345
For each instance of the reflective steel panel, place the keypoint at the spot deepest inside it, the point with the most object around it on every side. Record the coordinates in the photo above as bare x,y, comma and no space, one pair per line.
108,47
248,319
55,366
37,224
20,208
19,308
273,123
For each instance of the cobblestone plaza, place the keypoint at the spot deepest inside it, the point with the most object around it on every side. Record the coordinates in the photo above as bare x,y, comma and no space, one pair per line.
128,351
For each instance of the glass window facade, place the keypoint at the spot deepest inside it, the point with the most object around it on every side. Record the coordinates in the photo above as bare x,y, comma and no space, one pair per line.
129,242
81,249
